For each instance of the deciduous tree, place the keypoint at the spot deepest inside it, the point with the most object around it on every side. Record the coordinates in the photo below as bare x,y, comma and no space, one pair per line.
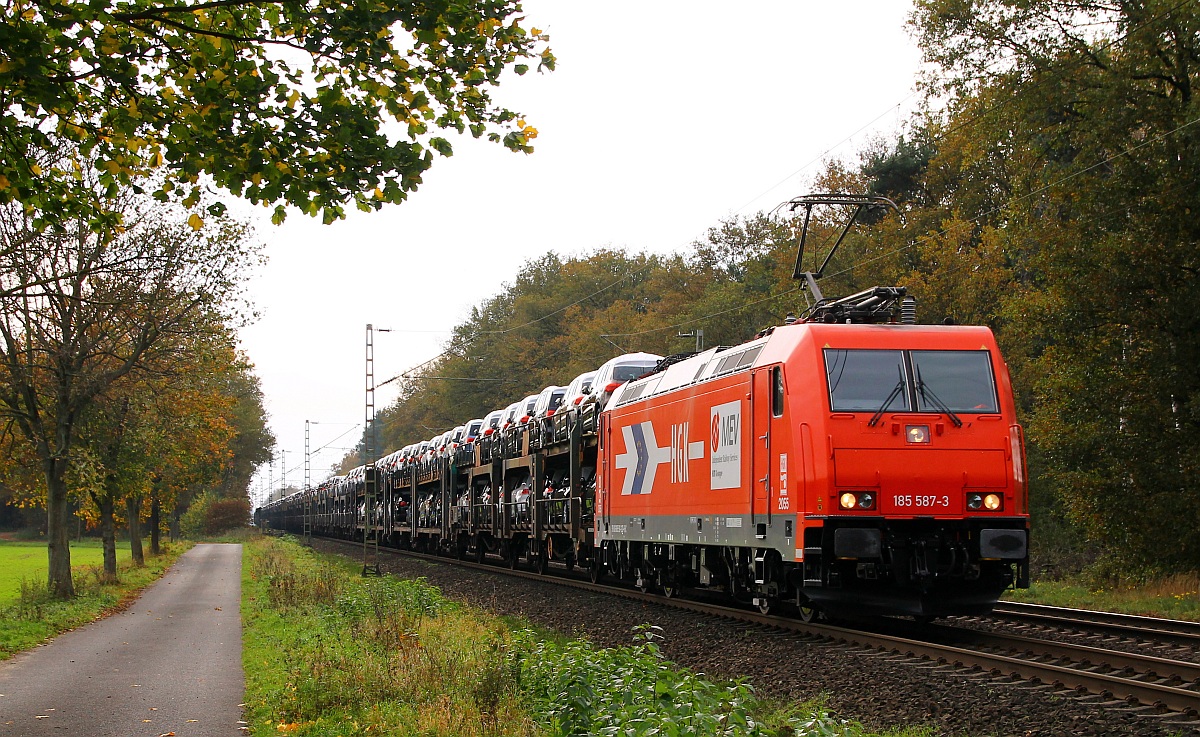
80,311
312,103
1071,151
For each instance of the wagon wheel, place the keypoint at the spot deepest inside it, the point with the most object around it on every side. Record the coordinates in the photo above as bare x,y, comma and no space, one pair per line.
764,605
542,564
569,559
514,554
670,589
595,569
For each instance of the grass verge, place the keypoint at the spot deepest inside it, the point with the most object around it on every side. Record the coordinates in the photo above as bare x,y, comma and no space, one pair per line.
34,616
327,652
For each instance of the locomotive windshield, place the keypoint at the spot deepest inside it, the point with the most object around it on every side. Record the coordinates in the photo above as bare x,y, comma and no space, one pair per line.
962,380
863,380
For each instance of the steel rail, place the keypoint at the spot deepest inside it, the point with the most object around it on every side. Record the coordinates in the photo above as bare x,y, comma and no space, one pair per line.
1084,655
1167,630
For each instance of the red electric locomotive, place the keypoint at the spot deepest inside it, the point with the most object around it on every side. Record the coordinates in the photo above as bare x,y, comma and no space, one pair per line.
851,462
862,468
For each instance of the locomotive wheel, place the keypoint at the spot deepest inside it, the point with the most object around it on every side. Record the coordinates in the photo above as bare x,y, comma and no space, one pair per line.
809,613
596,570
764,605
641,580
670,590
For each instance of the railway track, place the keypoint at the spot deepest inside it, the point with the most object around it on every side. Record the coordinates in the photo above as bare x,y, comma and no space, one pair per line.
1164,689
1150,629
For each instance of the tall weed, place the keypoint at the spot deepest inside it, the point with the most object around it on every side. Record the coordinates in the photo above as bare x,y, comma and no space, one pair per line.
577,690
394,656
392,653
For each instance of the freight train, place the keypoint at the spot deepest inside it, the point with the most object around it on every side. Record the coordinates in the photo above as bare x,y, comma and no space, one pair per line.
848,462
845,468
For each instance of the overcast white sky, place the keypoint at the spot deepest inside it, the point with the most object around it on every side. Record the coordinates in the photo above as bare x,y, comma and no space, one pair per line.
661,120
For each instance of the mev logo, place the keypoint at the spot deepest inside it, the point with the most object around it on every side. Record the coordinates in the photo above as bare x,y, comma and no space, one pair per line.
725,464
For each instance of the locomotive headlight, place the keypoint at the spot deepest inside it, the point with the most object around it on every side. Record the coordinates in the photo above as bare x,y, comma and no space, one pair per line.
978,500
856,500
916,433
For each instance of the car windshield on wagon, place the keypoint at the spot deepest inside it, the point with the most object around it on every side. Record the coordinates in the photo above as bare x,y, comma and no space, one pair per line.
868,380
630,371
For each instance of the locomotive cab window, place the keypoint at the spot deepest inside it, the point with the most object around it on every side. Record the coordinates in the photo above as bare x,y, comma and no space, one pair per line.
864,380
959,380
777,391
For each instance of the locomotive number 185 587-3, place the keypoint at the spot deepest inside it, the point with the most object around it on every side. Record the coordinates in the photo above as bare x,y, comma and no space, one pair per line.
920,500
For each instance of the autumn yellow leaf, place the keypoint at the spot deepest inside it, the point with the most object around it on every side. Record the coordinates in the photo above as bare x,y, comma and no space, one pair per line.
195,221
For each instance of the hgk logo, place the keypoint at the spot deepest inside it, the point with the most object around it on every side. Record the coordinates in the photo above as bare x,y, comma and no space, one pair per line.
683,451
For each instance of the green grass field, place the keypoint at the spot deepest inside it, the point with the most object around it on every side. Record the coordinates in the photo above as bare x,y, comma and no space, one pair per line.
27,561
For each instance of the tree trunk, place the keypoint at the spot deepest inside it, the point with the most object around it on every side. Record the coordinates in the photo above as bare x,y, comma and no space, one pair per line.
133,511
176,513
58,547
155,524
108,535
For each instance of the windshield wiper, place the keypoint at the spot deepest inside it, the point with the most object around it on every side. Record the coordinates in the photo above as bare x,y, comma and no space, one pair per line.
927,393
896,391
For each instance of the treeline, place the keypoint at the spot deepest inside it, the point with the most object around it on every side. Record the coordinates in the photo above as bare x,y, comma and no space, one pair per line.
122,393
1050,190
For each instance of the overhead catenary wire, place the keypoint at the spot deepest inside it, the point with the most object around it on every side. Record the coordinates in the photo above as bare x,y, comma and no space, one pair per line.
926,238
328,446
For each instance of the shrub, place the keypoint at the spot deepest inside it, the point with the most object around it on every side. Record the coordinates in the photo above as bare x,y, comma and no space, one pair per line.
227,514
210,514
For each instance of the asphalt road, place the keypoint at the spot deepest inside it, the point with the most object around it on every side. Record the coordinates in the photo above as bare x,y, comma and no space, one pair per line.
170,664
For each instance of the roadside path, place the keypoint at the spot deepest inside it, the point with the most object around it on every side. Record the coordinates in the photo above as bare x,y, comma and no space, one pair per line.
170,664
